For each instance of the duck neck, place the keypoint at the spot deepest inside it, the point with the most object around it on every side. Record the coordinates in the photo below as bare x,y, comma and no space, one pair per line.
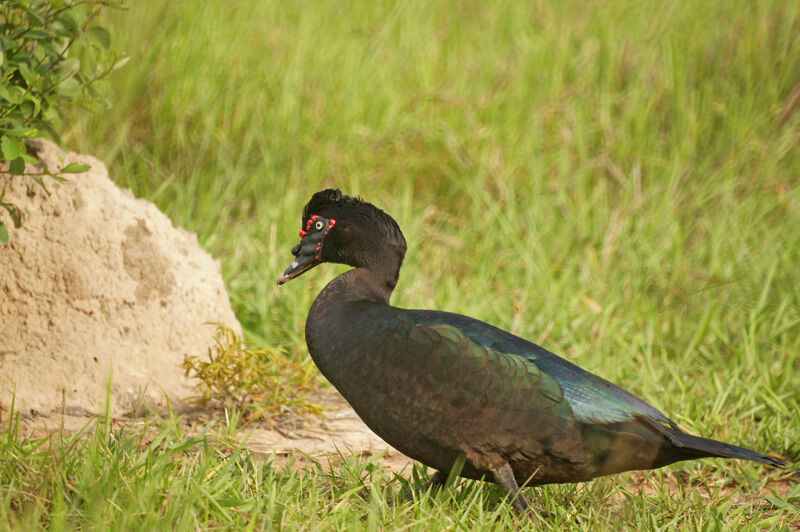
370,284
375,276
373,281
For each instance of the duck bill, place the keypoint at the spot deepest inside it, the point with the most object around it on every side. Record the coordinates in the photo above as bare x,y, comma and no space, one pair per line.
301,264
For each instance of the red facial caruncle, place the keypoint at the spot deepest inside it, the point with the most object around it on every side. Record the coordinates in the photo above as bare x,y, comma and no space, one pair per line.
308,226
328,225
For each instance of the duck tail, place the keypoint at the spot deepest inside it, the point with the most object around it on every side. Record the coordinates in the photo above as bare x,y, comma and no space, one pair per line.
703,447
686,447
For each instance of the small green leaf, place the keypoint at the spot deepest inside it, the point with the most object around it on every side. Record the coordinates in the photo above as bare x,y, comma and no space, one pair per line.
74,168
3,233
40,34
121,63
69,67
34,19
17,166
41,184
27,73
69,21
14,131
13,94
11,147
13,212
101,35
27,107
37,105
69,88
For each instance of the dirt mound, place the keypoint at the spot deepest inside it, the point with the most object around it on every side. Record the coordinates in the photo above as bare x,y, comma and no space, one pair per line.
94,282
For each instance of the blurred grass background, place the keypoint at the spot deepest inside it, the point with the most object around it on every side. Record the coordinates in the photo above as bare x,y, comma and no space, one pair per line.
618,181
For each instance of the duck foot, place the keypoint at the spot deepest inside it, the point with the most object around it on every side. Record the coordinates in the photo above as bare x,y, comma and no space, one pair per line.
504,476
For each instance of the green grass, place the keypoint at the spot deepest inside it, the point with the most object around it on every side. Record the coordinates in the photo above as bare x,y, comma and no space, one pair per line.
161,476
618,181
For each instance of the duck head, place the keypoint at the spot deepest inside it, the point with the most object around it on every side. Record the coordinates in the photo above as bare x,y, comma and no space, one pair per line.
346,230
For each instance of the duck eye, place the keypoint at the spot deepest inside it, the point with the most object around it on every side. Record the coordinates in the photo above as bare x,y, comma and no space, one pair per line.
319,225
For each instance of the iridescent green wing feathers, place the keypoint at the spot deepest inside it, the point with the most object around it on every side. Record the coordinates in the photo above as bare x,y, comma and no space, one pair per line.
475,382
593,400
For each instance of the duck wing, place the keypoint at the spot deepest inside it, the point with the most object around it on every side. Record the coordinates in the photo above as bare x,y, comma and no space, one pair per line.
593,399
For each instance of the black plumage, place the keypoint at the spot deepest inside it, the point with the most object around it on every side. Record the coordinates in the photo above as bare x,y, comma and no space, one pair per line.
437,385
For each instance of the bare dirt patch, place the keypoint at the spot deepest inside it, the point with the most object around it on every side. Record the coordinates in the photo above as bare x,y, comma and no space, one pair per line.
339,433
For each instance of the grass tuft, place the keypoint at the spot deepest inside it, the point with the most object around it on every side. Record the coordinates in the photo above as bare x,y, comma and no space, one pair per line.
265,383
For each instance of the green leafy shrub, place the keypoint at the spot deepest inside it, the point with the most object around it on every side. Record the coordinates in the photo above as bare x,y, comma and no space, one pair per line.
52,54
265,382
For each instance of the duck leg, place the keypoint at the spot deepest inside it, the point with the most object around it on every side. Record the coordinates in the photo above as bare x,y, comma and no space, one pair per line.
504,477
437,481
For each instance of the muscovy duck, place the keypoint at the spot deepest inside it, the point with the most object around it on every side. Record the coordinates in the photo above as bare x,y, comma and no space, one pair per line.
442,387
